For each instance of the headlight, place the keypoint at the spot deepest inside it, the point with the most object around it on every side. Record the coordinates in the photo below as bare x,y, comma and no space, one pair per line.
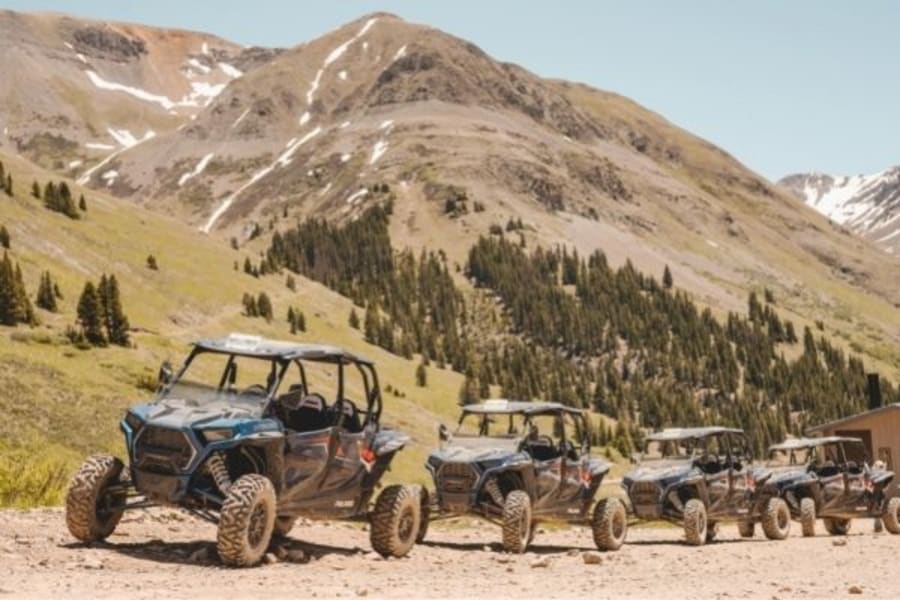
217,435
133,421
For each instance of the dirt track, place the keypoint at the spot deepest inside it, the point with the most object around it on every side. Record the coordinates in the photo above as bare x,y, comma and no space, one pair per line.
159,553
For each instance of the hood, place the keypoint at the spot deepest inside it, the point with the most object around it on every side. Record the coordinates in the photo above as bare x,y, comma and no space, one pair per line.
660,469
787,473
177,413
480,449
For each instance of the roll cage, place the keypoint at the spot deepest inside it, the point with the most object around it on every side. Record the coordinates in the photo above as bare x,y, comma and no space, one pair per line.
280,357
732,444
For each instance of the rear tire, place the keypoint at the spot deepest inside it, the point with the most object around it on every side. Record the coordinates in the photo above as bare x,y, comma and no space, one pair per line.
776,519
695,522
891,516
808,517
246,521
516,521
712,530
424,516
609,524
837,526
746,529
395,520
92,512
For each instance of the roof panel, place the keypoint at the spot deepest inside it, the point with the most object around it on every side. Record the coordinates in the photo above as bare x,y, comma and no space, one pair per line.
259,347
689,432
500,406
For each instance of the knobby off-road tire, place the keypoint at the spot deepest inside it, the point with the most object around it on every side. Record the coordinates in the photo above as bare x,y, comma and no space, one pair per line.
246,521
284,525
695,522
712,530
516,522
424,515
808,517
609,524
837,526
746,529
395,520
92,513
776,519
891,516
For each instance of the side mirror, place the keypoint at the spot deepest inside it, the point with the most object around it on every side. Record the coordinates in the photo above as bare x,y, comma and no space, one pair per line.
165,374
443,433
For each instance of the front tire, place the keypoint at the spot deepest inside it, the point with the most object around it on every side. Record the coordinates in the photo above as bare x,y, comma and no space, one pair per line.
92,511
395,520
808,517
609,524
837,526
424,515
695,522
891,516
246,521
516,521
776,519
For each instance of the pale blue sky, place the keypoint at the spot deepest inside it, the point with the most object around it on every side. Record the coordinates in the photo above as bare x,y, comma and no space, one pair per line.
784,86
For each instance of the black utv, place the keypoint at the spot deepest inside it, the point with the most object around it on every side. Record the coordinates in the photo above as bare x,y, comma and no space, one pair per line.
240,436
519,463
700,477
819,478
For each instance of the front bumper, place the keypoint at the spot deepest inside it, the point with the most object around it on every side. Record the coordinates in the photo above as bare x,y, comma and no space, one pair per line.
159,488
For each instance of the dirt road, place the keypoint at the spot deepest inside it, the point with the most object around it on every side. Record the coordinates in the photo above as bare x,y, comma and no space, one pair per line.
164,553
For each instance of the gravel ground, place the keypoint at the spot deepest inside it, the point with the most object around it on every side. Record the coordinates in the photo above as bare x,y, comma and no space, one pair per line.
160,552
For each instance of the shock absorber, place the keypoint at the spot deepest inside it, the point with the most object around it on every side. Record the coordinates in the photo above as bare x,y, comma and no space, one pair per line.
215,466
493,489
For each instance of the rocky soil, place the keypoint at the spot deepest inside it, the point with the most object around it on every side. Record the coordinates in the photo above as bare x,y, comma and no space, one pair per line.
160,552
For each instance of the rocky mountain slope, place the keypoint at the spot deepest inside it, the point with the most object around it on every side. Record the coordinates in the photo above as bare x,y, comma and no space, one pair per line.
869,205
77,92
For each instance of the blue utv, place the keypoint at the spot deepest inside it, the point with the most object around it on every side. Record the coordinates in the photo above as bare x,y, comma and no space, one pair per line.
240,436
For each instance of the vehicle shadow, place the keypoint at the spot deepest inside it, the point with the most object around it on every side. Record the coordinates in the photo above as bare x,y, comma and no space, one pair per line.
203,553
534,548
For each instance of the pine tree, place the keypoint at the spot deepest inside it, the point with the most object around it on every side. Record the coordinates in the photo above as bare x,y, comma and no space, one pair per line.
421,376
116,322
151,263
9,185
249,303
24,310
667,278
354,319
36,189
301,320
57,292
291,283
90,316
46,299
82,204
8,300
4,237
264,306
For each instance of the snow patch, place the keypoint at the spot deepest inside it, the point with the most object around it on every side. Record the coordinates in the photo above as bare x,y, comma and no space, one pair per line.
99,146
204,48
69,46
325,189
132,91
712,243
355,196
386,124
345,157
231,71
378,151
110,177
197,169
314,86
401,52
81,57
240,118
74,163
199,65
288,155
333,56
345,124
342,75
889,236
304,118
122,136
87,174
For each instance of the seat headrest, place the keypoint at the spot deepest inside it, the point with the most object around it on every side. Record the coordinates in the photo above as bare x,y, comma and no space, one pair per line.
314,402
348,408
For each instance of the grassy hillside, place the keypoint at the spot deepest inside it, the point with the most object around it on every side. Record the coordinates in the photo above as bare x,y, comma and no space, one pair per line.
62,403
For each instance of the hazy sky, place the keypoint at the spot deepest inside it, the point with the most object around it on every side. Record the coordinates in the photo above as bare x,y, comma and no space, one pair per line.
785,86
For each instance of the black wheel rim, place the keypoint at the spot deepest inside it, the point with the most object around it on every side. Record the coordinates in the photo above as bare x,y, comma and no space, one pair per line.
405,526
256,529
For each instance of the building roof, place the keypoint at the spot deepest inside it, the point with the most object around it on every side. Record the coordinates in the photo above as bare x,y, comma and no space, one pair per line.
258,347
686,433
797,443
509,407
852,418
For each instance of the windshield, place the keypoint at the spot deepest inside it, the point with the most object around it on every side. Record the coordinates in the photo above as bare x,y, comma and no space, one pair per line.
496,425
811,455
221,378
671,449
